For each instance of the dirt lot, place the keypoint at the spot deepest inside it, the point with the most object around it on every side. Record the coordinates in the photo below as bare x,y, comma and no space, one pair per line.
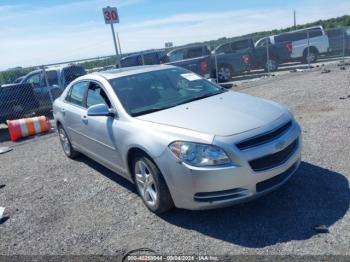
60,206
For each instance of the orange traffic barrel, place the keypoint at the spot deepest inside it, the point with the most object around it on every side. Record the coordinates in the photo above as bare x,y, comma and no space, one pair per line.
27,127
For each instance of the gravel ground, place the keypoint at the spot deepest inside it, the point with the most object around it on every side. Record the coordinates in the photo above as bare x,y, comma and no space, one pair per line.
61,206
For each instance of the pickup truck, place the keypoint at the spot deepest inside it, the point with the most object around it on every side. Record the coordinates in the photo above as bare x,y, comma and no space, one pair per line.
278,53
17,101
307,43
197,58
34,95
47,89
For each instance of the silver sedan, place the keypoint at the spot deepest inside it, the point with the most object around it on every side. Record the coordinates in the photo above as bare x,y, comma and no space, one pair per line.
183,140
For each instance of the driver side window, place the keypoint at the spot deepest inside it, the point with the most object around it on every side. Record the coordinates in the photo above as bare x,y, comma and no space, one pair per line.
96,95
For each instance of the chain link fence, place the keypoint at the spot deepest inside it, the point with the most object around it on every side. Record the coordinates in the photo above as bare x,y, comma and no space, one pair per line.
31,91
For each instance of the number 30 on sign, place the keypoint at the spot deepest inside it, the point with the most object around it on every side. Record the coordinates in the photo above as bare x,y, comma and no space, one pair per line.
111,15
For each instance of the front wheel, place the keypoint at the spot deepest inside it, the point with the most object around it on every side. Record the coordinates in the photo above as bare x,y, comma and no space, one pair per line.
151,185
310,57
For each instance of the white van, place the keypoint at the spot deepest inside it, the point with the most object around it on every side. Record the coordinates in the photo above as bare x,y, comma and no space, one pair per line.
318,41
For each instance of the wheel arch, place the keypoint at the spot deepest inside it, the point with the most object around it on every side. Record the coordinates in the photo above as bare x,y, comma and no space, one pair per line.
132,152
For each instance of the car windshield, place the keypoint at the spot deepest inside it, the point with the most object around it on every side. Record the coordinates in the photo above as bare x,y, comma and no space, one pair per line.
158,90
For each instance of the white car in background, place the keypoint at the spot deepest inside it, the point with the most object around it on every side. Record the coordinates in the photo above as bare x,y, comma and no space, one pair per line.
318,42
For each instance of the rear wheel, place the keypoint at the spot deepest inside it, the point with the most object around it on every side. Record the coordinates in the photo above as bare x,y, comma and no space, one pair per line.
310,56
225,73
151,185
66,144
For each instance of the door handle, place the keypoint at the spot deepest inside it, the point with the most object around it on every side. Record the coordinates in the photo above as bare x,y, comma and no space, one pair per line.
84,119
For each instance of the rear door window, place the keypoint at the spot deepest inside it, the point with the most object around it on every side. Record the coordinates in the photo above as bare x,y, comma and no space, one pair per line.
296,36
194,52
52,77
226,48
176,55
315,32
240,45
151,59
129,61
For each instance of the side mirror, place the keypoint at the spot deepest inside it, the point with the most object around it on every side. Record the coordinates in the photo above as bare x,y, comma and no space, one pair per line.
100,110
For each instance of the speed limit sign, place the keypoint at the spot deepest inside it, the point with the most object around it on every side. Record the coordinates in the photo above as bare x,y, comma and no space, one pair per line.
111,15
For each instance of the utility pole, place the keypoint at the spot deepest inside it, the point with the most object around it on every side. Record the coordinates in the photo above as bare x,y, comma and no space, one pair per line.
120,49
295,21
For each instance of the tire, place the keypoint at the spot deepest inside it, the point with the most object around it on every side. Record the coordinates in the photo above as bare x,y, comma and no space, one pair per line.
313,56
272,63
225,72
66,144
155,195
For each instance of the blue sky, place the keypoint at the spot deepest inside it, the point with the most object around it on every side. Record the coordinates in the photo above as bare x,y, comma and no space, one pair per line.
35,32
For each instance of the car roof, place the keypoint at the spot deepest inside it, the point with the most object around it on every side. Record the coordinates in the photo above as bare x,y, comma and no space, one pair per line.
188,46
141,53
126,71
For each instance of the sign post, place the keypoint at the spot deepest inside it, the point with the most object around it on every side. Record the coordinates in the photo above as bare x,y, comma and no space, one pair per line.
111,17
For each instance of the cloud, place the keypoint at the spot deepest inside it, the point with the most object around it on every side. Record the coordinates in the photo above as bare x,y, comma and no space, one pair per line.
54,42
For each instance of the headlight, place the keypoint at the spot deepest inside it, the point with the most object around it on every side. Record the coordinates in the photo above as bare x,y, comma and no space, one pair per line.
199,154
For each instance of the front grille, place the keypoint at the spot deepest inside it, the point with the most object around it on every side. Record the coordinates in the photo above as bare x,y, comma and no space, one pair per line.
219,195
273,160
264,138
269,183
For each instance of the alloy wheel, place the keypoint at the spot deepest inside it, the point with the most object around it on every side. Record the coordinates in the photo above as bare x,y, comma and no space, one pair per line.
224,73
64,141
145,183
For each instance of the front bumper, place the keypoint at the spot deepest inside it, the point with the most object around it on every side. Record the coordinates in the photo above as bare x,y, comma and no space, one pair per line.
212,187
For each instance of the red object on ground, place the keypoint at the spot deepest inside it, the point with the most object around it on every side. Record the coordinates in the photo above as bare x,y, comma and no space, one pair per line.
27,127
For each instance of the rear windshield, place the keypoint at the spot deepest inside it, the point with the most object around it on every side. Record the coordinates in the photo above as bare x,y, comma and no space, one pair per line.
72,72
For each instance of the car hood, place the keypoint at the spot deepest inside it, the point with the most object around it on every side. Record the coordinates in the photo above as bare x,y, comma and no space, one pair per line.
225,114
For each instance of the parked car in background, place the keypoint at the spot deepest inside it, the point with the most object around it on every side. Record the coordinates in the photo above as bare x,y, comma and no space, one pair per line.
318,43
339,39
203,60
160,128
57,79
278,53
197,59
194,58
142,58
17,101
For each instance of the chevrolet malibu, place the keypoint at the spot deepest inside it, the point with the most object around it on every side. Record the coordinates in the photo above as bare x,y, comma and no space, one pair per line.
183,140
